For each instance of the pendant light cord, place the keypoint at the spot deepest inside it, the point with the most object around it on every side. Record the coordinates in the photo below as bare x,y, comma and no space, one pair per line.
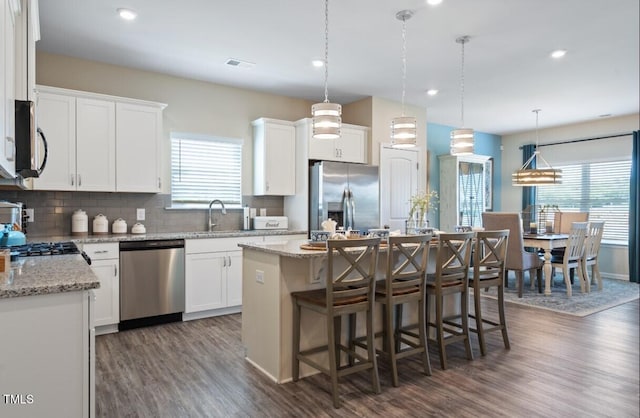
462,40
326,51
404,60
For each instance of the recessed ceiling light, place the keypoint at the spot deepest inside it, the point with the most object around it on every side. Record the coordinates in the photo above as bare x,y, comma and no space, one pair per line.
317,63
434,2
432,92
559,53
127,14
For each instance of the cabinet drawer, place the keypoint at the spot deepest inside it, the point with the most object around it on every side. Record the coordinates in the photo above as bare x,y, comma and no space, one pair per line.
208,245
102,251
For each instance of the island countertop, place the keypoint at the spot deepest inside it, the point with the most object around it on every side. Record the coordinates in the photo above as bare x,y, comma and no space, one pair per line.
290,248
30,276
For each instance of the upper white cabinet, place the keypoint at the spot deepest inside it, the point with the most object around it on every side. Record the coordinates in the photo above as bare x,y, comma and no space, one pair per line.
462,190
81,137
350,147
9,11
98,142
274,152
138,137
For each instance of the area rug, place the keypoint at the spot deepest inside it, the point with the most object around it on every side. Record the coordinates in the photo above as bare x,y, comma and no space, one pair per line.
614,293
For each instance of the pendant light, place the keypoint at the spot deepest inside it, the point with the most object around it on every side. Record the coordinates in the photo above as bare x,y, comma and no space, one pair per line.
462,138
403,128
534,176
326,116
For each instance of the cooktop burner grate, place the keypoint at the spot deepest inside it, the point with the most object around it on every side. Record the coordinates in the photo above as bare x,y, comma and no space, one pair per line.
46,248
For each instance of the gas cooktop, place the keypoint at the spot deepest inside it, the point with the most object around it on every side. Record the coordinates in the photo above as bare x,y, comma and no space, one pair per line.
45,248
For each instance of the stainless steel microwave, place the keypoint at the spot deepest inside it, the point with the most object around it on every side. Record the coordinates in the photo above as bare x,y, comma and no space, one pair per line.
29,162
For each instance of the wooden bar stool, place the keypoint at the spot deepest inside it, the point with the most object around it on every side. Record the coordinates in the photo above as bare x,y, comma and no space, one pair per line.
452,270
407,260
490,252
351,268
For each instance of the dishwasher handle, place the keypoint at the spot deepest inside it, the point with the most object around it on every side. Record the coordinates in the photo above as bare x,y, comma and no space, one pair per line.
151,245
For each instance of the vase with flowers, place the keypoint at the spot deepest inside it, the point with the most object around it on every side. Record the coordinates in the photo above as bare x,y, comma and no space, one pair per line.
421,203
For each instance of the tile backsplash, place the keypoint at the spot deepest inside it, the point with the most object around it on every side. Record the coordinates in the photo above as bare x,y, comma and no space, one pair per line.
53,210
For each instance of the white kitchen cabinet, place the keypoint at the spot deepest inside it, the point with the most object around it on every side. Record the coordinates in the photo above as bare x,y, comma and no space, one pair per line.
350,147
105,263
9,11
47,355
462,190
213,275
274,152
81,136
138,139
57,119
98,142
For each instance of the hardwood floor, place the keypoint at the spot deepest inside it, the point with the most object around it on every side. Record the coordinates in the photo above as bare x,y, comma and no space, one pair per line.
558,366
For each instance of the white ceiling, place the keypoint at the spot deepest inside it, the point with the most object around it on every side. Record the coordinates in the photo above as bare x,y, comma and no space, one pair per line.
508,71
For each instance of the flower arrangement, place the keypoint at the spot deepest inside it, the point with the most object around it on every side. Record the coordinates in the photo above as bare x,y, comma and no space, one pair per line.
422,202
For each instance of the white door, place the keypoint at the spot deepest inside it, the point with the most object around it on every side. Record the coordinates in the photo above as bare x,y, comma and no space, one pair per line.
398,182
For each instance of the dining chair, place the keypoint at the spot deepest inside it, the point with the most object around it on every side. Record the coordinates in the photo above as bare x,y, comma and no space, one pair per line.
450,278
562,225
591,251
518,260
489,255
572,257
404,284
350,287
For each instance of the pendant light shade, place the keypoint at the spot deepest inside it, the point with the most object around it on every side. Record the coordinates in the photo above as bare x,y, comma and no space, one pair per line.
327,117
462,142
403,128
530,175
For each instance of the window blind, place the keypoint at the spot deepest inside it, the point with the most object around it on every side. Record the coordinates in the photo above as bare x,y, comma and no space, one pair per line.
205,168
600,188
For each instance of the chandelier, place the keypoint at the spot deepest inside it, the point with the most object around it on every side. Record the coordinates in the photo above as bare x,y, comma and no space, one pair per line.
530,175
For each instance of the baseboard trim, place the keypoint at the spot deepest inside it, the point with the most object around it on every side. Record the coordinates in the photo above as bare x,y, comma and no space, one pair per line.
212,312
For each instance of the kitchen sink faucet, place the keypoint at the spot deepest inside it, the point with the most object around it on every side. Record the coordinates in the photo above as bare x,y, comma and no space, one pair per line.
224,212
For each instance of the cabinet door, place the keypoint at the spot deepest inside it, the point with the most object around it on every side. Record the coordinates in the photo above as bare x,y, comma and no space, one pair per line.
274,158
138,133
205,281
7,108
351,146
57,119
322,149
234,278
95,145
107,304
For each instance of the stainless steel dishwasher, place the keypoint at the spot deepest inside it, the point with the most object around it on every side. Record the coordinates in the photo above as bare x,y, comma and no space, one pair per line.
151,282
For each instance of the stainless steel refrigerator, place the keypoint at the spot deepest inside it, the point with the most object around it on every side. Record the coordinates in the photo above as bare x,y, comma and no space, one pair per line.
347,193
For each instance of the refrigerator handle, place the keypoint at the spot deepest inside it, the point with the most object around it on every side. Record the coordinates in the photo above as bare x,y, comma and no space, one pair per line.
351,207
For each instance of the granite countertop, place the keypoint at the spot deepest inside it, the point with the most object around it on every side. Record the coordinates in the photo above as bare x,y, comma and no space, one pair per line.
89,239
30,276
291,248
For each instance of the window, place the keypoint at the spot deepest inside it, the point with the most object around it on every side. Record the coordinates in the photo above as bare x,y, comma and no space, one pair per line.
601,188
205,168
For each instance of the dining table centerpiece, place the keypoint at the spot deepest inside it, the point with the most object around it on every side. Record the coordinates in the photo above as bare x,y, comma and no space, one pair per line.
421,203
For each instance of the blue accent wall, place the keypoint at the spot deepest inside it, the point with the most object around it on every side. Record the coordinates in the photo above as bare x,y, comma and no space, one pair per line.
485,144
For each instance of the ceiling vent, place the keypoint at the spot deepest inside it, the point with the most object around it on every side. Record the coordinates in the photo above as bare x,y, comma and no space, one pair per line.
239,63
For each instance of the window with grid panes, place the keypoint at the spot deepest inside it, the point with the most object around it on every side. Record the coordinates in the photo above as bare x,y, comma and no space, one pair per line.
600,188
204,168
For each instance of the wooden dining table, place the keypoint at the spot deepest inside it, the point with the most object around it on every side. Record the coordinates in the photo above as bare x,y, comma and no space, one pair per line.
547,242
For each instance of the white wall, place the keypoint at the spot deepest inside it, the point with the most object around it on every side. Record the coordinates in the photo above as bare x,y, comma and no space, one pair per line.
613,259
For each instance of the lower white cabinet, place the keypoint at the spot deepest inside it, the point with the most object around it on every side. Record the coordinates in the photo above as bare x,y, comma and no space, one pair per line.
105,263
47,356
213,274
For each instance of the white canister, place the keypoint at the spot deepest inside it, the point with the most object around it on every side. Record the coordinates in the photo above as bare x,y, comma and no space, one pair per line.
79,223
119,226
138,228
100,224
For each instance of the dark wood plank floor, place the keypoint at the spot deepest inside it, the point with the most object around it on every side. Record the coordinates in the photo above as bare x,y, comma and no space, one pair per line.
558,366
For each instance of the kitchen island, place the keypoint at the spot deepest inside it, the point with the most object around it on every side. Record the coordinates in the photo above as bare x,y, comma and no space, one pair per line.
271,272
46,365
